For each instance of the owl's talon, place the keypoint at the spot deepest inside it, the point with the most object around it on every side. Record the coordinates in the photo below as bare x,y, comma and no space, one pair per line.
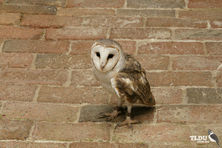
109,116
128,122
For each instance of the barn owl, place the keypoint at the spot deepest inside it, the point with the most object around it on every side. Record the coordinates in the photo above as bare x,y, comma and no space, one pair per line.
121,75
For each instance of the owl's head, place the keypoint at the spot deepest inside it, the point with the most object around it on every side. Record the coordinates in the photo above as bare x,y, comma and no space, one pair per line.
105,54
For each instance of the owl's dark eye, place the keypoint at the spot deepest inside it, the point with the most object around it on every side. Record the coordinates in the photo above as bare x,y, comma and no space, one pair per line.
98,54
110,56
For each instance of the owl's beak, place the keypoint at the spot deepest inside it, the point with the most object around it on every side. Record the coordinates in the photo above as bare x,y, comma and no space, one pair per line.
102,67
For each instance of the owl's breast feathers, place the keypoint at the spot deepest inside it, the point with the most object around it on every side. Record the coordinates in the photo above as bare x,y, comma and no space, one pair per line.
131,84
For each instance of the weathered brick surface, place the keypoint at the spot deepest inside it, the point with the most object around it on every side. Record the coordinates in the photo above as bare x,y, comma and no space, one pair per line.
204,95
213,48
63,61
17,130
198,34
9,18
155,4
205,4
175,22
140,33
153,62
76,33
146,13
168,95
180,78
83,78
216,24
190,114
14,92
72,95
30,9
107,145
13,60
10,32
96,3
40,112
177,48
37,2
34,76
154,133
49,97
36,46
202,14
196,63
73,132
13,144
84,12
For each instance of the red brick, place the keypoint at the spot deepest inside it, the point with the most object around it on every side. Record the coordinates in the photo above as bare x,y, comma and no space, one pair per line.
63,61
216,24
198,34
10,32
128,47
140,33
180,48
81,47
76,33
107,145
92,145
50,21
15,144
168,95
71,132
219,76
57,77
37,2
214,48
14,92
14,60
61,21
84,47
155,4
36,46
40,112
84,12
74,95
160,133
9,18
190,114
205,4
83,77
121,22
196,63
18,130
180,78
146,13
96,3
202,14
175,22
30,9
153,62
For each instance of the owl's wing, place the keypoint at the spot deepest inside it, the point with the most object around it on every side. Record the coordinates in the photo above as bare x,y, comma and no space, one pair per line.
131,84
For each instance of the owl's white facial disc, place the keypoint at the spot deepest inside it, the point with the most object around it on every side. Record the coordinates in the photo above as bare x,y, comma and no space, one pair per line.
104,58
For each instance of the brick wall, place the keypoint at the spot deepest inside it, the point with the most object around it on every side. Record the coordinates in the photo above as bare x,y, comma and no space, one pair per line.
47,88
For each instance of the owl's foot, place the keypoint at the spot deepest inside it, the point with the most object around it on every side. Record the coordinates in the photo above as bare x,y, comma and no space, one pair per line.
128,122
110,116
